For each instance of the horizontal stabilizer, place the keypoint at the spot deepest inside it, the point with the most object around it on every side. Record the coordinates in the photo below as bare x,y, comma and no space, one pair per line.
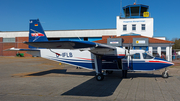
17,49
33,52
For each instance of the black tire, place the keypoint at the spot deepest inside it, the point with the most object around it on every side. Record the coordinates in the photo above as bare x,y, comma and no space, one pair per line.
165,75
124,73
99,77
109,72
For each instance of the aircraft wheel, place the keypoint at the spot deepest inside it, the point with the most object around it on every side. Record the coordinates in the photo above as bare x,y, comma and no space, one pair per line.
99,77
109,72
165,75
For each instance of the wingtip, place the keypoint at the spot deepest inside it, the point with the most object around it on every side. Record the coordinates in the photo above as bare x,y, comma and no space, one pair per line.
24,42
10,49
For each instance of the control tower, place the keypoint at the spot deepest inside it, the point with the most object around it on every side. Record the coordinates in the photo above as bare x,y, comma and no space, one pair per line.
136,20
136,11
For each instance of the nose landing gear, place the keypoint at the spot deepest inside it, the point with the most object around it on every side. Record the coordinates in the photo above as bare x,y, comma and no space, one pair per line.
165,73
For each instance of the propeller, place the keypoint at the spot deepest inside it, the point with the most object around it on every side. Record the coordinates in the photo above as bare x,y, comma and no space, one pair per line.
128,56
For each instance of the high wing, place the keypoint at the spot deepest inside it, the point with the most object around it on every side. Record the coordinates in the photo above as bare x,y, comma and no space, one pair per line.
96,48
67,44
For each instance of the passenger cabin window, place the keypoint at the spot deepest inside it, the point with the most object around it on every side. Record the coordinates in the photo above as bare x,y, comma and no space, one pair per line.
85,38
136,56
147,56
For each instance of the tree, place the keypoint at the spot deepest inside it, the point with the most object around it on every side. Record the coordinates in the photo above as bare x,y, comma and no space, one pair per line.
176,43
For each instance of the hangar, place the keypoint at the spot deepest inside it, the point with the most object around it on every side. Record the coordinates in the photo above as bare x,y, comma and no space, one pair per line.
135,29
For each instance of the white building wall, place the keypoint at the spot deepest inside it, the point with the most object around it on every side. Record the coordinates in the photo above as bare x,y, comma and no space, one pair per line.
81,33
63,33
149,23
14,34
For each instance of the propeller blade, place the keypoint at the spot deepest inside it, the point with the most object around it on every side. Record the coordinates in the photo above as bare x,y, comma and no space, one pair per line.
128,61
128,56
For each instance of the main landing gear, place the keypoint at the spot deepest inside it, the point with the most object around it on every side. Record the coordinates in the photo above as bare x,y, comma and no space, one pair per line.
124,73
165,73
99,77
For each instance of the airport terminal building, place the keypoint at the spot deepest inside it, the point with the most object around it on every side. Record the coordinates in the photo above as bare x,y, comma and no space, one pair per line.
135,30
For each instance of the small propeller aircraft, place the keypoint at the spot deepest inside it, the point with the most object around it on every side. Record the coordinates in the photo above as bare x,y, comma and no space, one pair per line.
89,55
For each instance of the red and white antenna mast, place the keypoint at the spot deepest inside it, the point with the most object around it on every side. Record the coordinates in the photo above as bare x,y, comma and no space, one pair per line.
135,2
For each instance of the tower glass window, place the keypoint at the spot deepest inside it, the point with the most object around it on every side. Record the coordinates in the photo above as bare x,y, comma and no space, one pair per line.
143,27
124,27
134,11
126,11
143,9
133,27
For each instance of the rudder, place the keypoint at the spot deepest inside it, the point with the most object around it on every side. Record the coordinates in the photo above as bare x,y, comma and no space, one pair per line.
36,32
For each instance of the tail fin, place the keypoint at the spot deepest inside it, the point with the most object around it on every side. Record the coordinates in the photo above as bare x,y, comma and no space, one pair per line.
36,32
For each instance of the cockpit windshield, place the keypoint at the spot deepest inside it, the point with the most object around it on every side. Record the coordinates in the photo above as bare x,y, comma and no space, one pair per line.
147,56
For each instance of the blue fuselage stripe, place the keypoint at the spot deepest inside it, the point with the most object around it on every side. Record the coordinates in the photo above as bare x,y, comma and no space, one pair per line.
134,65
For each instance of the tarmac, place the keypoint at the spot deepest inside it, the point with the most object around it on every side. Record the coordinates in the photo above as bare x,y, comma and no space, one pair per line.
38,79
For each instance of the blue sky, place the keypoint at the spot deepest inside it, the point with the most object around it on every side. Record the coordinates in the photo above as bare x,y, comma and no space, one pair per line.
85,14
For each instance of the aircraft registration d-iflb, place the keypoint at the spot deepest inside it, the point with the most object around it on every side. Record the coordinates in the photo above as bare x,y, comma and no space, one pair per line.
90,55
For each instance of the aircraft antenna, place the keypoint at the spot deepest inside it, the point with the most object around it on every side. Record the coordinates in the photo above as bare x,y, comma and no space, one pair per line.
120,8
135,2
78,36
129,54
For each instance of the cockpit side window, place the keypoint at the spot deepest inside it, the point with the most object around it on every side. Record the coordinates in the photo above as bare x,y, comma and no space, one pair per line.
136,56
147,56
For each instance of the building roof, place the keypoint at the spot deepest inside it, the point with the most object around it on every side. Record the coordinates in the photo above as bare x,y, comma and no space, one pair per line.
129,39
135,6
